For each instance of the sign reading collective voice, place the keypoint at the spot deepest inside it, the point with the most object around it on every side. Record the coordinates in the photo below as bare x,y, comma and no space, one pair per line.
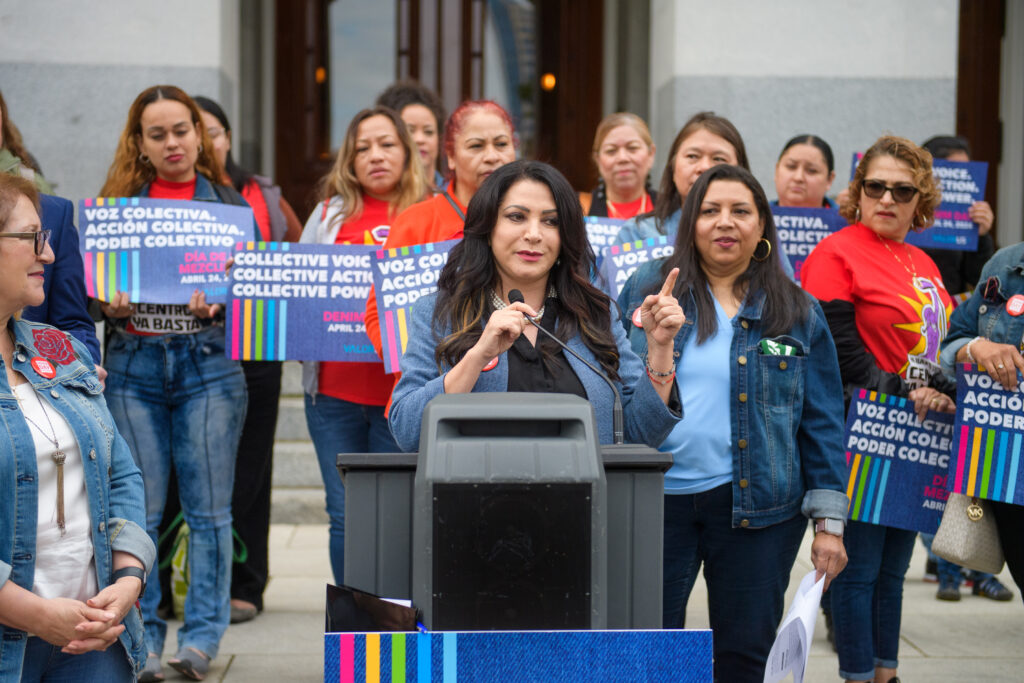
897,463
299,302
181,246
989,432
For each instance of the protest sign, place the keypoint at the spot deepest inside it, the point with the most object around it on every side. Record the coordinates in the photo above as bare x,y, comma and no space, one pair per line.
180,246
897,463
963,183
801,229
987,438
601,232
299,302
400,277
620,260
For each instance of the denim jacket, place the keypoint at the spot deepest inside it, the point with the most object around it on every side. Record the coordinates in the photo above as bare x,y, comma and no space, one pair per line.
984,314
787,439
113,484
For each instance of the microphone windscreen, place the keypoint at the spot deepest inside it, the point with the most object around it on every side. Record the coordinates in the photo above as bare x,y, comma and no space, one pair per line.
516,297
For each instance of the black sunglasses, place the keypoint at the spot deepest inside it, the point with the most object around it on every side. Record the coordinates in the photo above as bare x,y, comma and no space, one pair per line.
900,193
41,238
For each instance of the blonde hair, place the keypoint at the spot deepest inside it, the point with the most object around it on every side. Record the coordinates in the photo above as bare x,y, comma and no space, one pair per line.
622,118
128,172
920,163
342,181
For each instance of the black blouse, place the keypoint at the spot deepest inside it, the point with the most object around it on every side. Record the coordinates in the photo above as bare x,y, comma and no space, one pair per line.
529,371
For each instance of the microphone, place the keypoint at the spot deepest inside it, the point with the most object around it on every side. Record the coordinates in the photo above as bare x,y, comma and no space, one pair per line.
516,297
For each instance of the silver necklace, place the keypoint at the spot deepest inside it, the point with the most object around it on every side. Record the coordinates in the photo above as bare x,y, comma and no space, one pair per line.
59,457
499,304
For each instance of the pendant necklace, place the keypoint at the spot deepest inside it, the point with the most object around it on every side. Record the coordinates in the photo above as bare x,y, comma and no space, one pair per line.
58,458
912,271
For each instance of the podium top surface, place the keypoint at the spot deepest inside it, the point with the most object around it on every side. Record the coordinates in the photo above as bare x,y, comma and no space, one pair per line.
633,457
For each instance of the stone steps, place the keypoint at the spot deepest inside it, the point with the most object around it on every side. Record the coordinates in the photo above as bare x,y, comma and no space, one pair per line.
297,493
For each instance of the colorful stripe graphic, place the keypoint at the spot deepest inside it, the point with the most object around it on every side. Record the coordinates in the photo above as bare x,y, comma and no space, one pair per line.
111,201
866,487
395,657
257,329
633,246
110,272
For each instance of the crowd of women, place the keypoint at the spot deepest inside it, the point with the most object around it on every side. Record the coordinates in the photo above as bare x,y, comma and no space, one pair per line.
721,359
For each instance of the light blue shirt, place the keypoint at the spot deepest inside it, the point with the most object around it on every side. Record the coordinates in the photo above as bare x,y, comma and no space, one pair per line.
701,444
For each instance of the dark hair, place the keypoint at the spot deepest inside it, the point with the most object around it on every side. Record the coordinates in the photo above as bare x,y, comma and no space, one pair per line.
943,146
785,303
463,302
669,200
239,176
814,140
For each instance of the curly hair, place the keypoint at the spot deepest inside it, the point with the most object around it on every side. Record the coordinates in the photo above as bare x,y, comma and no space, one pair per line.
128,172
920,163
463,303
10,138
342,181
11,188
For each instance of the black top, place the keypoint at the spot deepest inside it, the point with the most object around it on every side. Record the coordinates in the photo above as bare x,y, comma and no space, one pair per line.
528,370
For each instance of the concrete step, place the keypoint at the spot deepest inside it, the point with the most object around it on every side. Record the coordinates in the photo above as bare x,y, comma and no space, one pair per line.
291,379
297,506
295,465
291,420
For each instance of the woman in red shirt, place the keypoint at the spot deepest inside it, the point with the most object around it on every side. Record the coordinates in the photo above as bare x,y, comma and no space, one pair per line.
624,153
377,174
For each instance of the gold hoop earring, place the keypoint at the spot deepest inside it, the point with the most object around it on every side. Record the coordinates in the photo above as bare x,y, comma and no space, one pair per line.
856,215
768,253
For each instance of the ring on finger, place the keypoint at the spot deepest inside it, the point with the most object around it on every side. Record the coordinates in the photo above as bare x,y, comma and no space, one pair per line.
1000,366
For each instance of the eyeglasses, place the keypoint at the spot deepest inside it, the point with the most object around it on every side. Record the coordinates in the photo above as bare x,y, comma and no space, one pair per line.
40,237
901,194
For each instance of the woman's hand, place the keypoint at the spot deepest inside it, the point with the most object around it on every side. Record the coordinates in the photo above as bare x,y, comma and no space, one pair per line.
1001,361
981,213
661,314
116,599
64,621
198,307
503,328
927,398
828,555
119,306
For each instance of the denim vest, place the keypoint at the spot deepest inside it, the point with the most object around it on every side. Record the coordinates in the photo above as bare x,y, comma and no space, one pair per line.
984,314
787,411
113,483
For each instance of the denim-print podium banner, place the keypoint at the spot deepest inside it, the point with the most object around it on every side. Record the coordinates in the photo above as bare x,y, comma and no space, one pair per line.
897,463
800,230
159,250
400,277
299,302
963,183
601,233
500,656
621,260
988,433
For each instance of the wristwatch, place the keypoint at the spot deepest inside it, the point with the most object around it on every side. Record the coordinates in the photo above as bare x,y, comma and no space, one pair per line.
830,526
137,572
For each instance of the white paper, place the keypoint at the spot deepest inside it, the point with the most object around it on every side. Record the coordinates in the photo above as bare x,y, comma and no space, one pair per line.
792,645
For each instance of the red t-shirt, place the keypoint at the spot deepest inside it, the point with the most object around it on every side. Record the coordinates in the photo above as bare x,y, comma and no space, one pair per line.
901,304
254,195
363,383
629,209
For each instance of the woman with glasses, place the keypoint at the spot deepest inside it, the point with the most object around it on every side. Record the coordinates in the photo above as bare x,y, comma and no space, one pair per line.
887,310
73,547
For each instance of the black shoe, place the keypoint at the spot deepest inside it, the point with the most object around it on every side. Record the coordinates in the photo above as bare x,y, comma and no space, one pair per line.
948,590
992,589
931,572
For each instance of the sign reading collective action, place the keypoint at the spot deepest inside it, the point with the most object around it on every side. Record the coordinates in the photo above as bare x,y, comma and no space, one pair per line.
897,463
180,246
801,229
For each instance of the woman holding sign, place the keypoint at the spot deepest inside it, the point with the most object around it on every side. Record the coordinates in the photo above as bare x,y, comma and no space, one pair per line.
758,451
376,176
887,310
624,153
176,397
525,232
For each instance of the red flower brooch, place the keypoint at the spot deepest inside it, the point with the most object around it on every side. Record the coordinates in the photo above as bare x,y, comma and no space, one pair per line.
54,345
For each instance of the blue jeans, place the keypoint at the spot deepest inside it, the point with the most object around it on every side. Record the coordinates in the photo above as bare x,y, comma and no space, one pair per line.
946,570
867,599
45,662
338,426
746,570
180,402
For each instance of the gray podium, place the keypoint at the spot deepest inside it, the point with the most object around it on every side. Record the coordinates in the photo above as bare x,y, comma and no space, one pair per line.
496,473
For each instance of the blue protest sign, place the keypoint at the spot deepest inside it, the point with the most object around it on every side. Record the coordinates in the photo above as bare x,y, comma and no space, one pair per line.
988,434
897,463
620,260
181,246
299,302
963,183
801,229
400,277
601,232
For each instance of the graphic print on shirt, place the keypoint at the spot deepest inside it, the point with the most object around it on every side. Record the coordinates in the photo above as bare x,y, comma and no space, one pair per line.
923,358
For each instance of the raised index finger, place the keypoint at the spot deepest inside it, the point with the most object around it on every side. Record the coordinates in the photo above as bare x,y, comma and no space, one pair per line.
670,283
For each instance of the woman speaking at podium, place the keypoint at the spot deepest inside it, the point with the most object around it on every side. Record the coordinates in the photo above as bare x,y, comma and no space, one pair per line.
524,231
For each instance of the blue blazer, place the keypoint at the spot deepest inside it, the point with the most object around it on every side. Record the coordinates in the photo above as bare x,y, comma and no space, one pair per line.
646,418
66,305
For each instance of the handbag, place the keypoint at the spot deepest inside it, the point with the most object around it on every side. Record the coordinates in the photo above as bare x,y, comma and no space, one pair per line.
968,536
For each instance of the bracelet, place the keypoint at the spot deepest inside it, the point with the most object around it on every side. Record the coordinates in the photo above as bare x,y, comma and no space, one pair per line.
652,371
668,378
970,356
